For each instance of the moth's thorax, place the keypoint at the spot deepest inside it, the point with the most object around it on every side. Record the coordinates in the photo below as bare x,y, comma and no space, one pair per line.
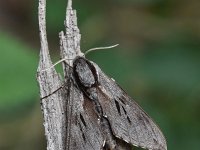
85,72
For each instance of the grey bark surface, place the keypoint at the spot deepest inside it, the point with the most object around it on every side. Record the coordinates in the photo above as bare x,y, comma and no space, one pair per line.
50,82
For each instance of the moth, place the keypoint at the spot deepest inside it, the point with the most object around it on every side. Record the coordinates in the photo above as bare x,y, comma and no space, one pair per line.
101,116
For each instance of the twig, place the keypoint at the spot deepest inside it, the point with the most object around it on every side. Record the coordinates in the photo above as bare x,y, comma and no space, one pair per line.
53,102
49,81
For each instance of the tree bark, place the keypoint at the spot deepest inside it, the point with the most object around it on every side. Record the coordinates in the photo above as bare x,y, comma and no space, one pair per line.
50,82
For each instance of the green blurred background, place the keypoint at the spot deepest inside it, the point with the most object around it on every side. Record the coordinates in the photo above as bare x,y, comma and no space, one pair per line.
157,62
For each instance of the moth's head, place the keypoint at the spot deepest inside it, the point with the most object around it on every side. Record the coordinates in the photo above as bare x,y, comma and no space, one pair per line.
85,72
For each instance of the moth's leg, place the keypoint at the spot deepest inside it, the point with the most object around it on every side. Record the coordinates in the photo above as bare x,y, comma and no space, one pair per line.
62,86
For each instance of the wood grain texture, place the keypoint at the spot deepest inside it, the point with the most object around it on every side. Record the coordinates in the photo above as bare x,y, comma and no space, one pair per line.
53,100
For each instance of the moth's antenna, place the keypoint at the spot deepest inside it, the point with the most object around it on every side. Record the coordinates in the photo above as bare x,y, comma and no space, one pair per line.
98,48
56,64
88,51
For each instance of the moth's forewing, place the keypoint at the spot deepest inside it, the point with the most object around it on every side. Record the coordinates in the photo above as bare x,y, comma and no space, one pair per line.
83,131
127,119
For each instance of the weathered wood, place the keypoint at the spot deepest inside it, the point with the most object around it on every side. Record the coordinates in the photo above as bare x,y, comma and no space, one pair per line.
53,101
70,42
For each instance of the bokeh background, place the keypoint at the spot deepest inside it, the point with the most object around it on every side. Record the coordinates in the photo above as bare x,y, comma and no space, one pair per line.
157,62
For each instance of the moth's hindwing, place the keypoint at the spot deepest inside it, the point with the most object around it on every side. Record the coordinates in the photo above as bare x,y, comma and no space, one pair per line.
127,120
83,131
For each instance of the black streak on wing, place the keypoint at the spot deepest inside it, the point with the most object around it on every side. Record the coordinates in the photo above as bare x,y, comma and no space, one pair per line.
83,131
132,124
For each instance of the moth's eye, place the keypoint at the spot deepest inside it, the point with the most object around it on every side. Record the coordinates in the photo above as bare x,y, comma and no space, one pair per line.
85,75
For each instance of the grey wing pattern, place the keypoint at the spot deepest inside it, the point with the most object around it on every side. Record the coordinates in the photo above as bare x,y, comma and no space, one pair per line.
83,131
127,119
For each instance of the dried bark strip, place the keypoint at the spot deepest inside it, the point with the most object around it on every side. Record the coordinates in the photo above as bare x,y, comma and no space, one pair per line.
53,101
